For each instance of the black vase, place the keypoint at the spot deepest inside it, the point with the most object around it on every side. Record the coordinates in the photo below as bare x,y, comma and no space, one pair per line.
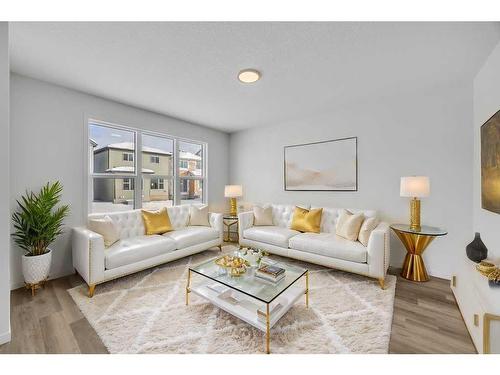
476,250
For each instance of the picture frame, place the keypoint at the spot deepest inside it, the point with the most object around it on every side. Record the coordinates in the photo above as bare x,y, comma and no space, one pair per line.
330,165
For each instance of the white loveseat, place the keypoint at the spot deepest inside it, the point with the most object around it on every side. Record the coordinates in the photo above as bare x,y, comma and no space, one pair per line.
136,251
324,248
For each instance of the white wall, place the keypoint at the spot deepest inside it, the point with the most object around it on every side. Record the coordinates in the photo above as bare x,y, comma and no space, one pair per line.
486,103
426,133
47,130
4,188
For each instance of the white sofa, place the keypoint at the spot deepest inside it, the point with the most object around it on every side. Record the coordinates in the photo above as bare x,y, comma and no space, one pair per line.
136,251
325,248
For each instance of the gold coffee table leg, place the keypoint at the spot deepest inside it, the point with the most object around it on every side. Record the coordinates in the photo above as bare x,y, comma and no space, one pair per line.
413,265
268,331
187,287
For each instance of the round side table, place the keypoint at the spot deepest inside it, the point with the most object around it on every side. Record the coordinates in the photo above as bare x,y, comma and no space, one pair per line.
229,220
415,243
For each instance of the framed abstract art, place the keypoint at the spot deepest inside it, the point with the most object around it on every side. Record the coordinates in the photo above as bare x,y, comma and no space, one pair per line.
322,166
490,164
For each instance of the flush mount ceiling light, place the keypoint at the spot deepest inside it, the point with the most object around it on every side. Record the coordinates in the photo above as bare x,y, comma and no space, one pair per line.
249,76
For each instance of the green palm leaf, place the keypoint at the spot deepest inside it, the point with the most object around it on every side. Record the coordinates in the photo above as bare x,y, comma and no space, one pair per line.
38,222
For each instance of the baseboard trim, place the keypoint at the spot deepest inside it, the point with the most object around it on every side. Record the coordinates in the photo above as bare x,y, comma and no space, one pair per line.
5,337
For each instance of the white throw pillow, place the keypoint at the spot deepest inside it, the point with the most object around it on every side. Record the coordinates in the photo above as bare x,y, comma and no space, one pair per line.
106,228
349,224
262,215
198,215
366,229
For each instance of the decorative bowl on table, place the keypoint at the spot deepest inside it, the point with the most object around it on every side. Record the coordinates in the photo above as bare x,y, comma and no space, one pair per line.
485,268
494,278
233,265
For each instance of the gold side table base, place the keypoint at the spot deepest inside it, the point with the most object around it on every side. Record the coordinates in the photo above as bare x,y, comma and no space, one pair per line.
413,265
414,268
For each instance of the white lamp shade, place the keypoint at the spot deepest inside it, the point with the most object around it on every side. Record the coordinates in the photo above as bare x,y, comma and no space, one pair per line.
415,186
233,191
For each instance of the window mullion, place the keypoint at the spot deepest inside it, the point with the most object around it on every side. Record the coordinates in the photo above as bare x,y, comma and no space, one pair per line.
138,171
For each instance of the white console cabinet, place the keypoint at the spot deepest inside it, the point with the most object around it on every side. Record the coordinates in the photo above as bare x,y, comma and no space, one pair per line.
479,304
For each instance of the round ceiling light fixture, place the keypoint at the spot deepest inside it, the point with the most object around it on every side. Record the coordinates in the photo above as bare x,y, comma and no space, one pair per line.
249,75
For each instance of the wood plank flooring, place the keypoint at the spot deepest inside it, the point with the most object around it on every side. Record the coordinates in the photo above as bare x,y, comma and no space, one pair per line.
426,320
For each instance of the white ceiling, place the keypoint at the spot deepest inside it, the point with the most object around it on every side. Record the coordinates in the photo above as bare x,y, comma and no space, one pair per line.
189,70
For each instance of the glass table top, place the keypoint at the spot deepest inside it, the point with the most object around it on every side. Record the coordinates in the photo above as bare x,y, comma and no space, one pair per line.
262,290
424,230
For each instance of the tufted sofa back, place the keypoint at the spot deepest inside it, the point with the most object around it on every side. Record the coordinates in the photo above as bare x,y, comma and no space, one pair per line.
130,223
330,216
283,214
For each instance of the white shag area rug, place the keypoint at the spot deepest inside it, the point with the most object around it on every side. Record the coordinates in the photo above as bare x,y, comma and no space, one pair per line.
146,313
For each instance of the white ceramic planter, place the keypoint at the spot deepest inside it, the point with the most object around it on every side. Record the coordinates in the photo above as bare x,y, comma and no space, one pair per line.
36,268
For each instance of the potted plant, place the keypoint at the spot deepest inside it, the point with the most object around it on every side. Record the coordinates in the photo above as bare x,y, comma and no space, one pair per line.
37,224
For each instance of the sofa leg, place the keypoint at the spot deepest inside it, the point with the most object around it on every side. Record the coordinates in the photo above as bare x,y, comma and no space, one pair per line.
220,247
381,282
91,290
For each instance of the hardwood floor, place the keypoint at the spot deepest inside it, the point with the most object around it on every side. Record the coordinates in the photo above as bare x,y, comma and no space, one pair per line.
426,320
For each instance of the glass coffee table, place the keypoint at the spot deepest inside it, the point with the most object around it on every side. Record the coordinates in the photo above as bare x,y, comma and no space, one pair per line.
258,302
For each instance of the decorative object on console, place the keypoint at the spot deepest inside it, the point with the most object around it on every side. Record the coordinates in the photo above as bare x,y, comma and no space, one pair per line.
262,215
37,224
494,278
322,166
156,222
199,215
485,268
232,192
490,164
476,250
305,220
349,224
106,228
415,243
415,187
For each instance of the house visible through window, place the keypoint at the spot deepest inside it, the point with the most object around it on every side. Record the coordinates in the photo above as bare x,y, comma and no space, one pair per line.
128,156
121,180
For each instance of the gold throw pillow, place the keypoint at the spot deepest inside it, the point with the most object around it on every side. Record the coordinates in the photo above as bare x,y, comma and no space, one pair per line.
348,225
307,220
156,222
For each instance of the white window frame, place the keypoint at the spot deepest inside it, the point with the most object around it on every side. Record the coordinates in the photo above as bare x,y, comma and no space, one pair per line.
154,159
137,177
129,155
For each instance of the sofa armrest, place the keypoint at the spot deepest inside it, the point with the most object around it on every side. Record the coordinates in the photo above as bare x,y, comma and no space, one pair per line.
245,221
215,220
379,250
88,255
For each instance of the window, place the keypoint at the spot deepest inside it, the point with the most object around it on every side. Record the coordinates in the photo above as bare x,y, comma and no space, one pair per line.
128,156
157,183
128,184
121,159
192,174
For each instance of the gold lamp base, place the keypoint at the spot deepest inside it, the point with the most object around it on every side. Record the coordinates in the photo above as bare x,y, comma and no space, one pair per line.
415,215
234,209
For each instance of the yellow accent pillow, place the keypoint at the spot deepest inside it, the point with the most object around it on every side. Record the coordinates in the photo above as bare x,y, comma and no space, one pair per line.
156,222
307,220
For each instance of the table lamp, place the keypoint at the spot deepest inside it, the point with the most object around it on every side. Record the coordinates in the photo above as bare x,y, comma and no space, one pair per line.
232,192
415,187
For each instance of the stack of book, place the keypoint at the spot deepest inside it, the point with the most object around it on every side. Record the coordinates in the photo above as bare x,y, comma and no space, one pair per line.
270,273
